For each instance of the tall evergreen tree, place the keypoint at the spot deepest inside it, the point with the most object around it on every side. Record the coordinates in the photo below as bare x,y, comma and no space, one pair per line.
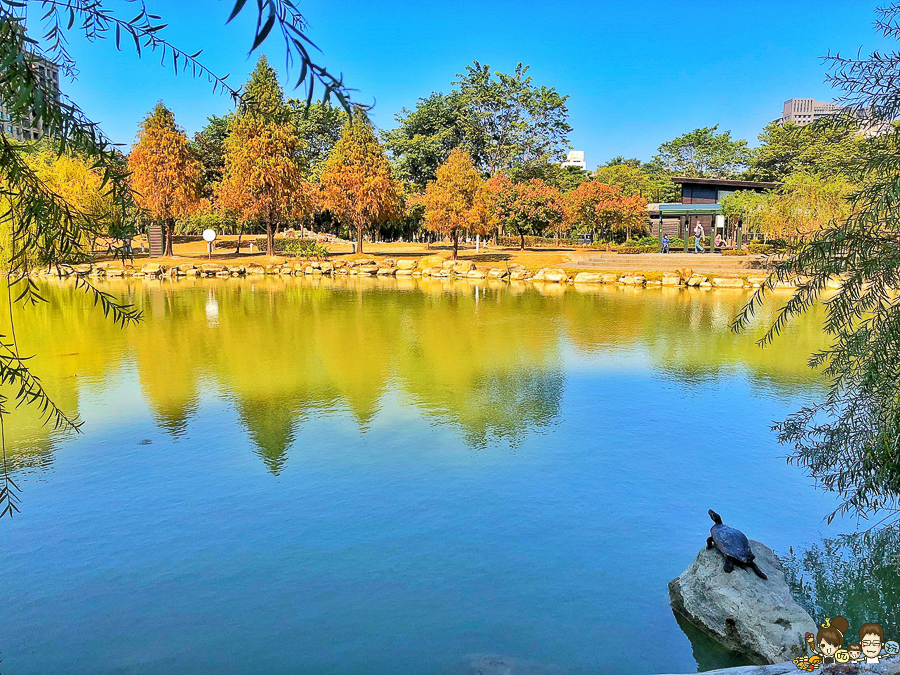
356,184
456,200
164,171
262,95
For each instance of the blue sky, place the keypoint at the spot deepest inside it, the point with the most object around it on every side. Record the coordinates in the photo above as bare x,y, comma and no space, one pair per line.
638,73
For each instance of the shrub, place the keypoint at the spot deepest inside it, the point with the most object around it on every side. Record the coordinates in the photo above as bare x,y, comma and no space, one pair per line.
301,248
537,242
637,249
760,249
735,251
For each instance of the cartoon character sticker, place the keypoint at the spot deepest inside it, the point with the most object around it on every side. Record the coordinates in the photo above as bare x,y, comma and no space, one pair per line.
827,645
829,639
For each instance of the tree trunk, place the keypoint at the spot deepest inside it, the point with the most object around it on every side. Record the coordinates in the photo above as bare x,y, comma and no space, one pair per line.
170,229
522,235
455,237
270,240
359,239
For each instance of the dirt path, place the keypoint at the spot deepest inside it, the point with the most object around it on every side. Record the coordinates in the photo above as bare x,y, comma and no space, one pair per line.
193,250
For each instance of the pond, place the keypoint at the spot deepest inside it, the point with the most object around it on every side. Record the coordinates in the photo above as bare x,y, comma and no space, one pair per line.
371,476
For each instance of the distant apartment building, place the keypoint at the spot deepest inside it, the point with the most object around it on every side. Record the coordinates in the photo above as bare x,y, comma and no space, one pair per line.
802,111
575,158
27,129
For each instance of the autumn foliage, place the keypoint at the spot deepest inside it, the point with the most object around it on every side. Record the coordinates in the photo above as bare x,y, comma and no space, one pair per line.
597,207
456,200
356,185
530,208
263,183
165,174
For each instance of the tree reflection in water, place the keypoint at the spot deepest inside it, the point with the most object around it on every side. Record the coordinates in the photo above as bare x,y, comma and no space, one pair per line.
485,358
856,576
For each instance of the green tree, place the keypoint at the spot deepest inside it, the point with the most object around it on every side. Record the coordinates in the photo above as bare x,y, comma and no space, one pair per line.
209,147
319,127
752,208
849,440
563,178
628,177
704,153
504,121
425,136
650,180
823,148
512,122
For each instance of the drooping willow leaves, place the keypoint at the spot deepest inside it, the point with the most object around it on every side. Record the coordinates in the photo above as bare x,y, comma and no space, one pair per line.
44,229
850,441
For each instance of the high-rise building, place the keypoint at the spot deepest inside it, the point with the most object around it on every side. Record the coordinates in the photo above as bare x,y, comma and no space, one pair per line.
27,129
802,111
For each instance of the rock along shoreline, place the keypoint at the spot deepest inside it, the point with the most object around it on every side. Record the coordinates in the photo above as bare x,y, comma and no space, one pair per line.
434,266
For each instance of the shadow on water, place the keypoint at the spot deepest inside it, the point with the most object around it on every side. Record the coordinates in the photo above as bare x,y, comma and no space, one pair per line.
856,576
708,653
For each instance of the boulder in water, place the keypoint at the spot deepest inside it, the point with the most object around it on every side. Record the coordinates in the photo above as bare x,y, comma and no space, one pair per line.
738,609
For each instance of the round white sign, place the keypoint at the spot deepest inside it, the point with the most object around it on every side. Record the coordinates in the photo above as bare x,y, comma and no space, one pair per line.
209,235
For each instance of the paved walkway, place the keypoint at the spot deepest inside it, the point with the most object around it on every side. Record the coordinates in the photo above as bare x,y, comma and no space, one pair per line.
713,263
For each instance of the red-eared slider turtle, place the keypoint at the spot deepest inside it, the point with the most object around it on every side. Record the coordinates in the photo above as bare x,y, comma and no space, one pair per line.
733,544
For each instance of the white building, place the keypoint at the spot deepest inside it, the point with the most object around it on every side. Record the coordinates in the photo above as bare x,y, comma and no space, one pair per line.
575,158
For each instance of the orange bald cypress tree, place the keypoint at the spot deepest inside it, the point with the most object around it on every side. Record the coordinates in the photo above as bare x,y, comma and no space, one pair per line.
356,183
456,200
165,174
263,182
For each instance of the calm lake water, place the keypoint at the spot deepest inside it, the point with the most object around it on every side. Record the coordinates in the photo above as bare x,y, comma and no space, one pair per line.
370,476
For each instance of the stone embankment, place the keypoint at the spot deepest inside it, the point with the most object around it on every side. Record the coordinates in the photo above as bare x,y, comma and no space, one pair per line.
436,266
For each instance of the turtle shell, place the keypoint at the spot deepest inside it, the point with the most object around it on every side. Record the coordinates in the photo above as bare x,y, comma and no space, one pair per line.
732,542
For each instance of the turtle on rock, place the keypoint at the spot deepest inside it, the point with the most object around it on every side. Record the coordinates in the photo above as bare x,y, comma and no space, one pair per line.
733,544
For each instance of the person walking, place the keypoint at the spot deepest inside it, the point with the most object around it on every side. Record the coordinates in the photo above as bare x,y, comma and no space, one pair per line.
699,233
665,244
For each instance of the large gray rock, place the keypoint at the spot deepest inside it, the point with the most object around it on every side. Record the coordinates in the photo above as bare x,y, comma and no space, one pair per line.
741,611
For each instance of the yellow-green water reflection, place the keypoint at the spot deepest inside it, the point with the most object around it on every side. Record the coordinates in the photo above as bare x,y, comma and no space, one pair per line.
484,357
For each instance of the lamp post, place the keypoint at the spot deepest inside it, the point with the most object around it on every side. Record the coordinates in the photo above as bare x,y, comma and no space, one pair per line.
209,236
